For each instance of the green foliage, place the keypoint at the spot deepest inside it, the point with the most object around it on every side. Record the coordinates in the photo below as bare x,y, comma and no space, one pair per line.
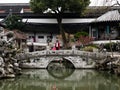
72,40
89,48
107,46
79,34
14,22
10,35
93,45
99,10
38,6
59,6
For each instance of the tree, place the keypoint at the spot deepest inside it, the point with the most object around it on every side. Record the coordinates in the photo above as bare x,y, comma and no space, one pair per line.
58,8
85,40
14,22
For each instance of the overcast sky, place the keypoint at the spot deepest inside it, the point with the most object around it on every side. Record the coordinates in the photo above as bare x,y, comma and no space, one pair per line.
93,2
103,2
14,1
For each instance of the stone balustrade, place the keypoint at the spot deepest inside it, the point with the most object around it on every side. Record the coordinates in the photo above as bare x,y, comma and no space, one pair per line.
93,55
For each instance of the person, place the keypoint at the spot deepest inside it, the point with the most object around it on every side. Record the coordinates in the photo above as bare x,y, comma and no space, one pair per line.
31,48
57,45
54,48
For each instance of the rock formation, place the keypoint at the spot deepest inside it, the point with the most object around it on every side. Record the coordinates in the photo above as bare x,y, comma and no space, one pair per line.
9,66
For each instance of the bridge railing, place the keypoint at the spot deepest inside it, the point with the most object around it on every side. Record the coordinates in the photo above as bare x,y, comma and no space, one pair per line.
94,55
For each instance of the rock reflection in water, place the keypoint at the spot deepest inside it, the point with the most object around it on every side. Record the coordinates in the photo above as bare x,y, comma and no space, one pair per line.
40,79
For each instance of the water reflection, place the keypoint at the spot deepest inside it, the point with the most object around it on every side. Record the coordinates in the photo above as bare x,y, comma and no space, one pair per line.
61,73
78,80
60,69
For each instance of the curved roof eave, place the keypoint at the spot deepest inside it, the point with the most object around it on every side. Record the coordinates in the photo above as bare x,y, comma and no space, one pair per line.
110,16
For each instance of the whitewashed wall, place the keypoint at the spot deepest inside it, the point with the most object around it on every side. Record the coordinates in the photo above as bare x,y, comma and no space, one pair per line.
42,40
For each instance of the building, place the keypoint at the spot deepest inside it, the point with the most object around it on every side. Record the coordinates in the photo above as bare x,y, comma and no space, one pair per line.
42,29
106,26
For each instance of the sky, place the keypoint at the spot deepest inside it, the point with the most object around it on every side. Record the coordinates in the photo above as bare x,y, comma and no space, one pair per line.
93,2
103,2
14,1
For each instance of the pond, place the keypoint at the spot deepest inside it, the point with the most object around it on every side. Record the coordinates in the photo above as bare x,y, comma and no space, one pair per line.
41,79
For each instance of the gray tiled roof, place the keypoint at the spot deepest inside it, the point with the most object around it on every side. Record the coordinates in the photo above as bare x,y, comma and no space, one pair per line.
14,4
109,16
16,7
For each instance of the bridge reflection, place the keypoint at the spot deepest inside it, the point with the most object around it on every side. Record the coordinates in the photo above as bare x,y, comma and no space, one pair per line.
60,69
41,79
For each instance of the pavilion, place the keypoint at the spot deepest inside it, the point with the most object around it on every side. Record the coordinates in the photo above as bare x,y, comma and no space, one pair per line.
106,27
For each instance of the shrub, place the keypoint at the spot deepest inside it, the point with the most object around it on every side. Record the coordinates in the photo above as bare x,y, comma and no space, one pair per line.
89,48
107,46
78,34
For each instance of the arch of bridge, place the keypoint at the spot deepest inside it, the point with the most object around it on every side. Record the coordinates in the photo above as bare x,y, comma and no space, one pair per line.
51,59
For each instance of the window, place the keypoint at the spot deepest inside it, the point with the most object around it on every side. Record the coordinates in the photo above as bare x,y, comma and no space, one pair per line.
40,37
50,37
33,36
29,36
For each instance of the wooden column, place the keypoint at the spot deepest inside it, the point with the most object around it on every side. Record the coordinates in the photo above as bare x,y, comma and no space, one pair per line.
90,31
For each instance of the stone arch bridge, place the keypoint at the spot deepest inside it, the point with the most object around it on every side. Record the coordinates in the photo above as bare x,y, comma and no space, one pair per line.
80,59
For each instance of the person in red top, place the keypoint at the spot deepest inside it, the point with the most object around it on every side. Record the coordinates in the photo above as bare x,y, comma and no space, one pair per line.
57,45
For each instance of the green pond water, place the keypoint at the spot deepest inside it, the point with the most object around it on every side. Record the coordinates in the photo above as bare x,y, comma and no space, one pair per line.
41,79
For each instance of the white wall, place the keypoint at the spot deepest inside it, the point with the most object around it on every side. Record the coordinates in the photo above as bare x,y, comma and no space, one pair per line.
41,38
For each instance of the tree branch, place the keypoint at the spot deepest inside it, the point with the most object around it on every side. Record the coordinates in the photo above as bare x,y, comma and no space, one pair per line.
117,3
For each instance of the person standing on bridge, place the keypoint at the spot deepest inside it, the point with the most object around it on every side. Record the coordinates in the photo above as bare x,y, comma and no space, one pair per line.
57,45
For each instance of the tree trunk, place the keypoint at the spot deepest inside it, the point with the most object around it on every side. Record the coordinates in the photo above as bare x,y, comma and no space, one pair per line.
62,32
